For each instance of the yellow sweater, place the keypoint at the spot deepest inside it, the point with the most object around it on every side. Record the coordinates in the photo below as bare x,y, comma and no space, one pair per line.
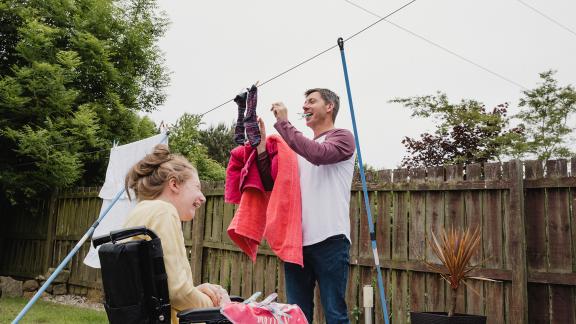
162,218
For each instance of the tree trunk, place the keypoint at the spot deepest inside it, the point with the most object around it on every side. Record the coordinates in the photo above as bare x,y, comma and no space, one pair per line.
452,302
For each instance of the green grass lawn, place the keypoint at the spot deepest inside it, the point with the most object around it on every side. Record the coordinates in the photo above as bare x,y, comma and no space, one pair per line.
47,312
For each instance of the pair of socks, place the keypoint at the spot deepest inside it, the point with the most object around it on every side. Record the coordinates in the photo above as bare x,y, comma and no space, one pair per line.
248,123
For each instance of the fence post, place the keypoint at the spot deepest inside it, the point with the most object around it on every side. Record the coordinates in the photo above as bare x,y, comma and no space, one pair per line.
197,238
50,231
517,245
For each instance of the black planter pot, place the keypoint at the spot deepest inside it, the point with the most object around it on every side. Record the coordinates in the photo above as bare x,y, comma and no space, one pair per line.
443,318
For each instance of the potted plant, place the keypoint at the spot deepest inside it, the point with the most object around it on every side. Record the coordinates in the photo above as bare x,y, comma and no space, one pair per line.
454,248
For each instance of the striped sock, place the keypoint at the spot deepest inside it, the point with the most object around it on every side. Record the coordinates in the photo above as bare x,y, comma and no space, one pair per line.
250,121
239,137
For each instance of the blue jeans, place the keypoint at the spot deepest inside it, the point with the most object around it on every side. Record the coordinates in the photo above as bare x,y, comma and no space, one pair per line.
325,262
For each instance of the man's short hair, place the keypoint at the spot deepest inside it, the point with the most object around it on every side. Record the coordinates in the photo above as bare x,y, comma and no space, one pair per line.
329,97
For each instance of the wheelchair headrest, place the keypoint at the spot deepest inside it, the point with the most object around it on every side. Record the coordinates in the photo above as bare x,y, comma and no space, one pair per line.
118,235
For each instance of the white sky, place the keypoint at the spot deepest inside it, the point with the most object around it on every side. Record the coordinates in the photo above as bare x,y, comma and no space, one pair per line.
215,48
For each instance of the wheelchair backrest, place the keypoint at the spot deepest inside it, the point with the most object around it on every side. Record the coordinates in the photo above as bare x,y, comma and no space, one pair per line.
134,278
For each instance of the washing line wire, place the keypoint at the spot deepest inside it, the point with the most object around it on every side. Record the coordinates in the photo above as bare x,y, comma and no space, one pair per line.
318,54
378,21
441,47
552,20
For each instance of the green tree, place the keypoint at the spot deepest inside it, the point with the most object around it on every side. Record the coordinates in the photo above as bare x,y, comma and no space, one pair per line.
465,133
73,76
545,113
219,141
185,139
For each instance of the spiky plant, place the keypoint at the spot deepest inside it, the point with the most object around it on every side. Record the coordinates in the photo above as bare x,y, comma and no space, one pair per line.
455,248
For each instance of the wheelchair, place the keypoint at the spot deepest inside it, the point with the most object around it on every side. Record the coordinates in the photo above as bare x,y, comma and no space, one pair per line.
135,281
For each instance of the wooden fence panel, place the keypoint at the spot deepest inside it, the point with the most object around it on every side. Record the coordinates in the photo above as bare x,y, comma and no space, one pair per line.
235,275
493,222
228,213
455,218
558,210
384,243
383,225
475,301
435,288
538,304
195,241
417,220
417,245
518,302
417,284
208,219
387,278
24,239
562,300
351,290
400,219
536,255
559,243
355,210
225,269
399,296
20,258
247,275
258,279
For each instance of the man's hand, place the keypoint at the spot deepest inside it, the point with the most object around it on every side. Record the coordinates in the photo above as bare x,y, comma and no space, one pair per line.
262,146
280,111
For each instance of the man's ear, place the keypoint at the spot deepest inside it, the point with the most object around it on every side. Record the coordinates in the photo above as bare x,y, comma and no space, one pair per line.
330,107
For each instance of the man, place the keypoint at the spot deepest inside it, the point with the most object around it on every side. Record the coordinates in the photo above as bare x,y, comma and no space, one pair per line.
326,165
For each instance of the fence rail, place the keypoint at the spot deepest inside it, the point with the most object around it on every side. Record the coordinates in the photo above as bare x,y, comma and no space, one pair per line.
526,212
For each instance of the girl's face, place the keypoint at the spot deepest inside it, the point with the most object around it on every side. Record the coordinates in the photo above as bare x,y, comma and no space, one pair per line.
188,197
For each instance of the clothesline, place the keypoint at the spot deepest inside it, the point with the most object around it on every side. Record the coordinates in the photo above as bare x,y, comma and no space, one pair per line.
316,55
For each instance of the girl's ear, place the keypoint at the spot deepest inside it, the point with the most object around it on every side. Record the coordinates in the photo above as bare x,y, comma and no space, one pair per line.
173,185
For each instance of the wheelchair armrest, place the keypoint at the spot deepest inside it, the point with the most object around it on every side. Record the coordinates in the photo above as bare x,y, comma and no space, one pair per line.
208,315
201,315
236,299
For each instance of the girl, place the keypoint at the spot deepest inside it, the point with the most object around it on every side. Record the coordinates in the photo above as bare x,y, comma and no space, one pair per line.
168,191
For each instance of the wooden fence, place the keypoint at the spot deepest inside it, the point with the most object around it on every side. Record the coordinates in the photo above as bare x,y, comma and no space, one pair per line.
526,212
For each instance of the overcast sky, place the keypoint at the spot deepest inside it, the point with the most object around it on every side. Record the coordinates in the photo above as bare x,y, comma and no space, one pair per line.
215,48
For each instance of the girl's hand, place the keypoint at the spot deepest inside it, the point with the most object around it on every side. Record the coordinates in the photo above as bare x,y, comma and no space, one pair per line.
215,292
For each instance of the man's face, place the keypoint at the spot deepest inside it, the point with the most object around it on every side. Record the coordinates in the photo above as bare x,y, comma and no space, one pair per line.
317,109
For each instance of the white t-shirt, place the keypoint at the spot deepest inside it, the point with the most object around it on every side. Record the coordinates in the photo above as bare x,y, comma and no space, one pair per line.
325,198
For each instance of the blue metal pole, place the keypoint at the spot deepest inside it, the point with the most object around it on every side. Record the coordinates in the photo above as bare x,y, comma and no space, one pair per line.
364,187
67,259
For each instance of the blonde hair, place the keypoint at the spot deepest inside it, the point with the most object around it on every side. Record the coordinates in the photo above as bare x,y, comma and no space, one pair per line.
148,177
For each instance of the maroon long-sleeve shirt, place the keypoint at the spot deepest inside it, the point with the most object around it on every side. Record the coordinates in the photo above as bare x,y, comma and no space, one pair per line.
337,146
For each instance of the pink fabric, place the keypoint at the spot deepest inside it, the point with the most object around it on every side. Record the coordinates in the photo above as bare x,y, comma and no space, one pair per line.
275,215
249,222
242,171
239,313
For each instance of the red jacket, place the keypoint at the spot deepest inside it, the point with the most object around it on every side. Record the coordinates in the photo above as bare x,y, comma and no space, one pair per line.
274,215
